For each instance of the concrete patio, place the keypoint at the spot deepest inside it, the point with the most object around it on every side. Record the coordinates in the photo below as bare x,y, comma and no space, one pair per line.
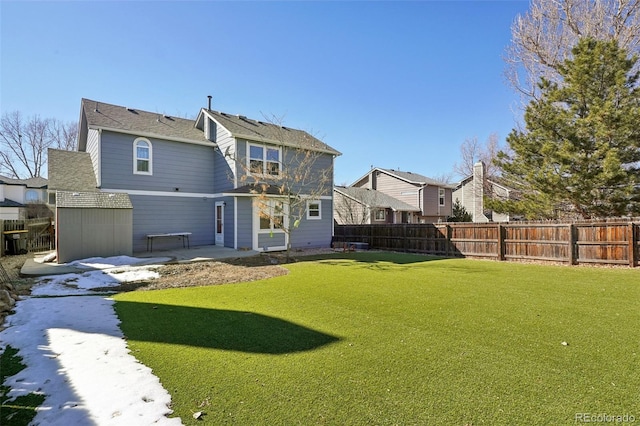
35,267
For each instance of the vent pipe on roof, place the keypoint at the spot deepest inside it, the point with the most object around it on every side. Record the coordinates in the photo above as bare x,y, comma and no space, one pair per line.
209,97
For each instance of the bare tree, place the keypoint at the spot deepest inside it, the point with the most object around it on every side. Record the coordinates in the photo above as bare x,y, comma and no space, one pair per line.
355,206
63,135
543,38
472,151
24,143
285,189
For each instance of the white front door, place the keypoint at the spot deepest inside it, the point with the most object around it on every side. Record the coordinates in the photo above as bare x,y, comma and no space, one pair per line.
219,223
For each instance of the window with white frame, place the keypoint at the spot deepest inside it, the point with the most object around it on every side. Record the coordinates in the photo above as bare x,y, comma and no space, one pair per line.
314,210
142,157
264,160
272,215
379,214
441,196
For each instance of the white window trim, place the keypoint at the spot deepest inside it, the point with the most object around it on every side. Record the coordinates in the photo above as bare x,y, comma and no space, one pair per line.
375,215
442,198
264,159
319,203
135,157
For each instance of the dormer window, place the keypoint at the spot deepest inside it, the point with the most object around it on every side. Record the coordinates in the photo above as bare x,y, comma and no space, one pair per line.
142,158
264,160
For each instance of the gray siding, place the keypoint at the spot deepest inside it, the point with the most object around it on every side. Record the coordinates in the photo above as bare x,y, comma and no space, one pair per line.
245,223
315,233
313,185
223,174
188,167
159,215
93,148
89,232
265,241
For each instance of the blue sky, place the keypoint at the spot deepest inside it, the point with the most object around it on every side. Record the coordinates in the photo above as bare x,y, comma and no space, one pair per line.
390,84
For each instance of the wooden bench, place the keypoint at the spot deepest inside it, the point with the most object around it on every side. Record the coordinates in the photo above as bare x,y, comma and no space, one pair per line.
182,235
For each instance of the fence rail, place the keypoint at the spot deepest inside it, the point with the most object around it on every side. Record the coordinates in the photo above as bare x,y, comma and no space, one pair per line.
606,242
39,235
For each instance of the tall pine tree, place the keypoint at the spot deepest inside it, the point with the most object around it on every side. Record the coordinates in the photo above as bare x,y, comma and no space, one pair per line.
579,155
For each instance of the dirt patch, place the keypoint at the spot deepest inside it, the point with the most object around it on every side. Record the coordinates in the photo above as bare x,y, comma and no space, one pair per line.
12,265
188,274
225,271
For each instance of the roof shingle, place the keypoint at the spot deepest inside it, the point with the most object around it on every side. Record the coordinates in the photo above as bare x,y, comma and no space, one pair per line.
71,171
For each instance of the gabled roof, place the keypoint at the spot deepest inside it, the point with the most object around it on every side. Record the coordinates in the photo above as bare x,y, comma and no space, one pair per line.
415,178
34,182
71,171
375,199
410,177
242,127
101,115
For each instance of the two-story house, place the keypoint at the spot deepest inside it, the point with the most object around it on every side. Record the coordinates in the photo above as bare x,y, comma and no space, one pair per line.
23,198
200,176
419,199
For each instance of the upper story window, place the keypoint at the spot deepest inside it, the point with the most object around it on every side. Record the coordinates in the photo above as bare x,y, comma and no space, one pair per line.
314,210
32,196
264,160
441,196
142,157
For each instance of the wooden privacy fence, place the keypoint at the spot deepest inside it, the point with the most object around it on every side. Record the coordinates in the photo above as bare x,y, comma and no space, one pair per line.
38,234
611,242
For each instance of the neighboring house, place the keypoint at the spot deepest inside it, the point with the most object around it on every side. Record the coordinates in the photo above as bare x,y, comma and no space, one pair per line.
22,198
472,190
192,176
431,198
358,206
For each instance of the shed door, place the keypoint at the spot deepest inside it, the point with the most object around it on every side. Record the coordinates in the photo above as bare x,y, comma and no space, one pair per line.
220,224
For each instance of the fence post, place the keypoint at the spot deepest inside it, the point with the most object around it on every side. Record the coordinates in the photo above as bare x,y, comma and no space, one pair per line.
448,243
500,242
632,245
2,238
573,249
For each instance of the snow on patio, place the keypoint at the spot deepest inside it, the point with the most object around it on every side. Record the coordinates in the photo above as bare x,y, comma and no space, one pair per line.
76,354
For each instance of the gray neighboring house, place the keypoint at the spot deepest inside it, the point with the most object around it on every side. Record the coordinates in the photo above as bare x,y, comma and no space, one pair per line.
16,196
431,198
359,206
88,222
184,176
472,190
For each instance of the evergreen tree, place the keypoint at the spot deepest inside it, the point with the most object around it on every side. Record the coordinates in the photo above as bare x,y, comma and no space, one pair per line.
459,213
580,151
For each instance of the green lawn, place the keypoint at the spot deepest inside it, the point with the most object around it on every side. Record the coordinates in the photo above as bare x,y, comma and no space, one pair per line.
380,338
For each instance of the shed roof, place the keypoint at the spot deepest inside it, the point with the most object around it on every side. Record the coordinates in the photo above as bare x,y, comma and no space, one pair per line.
97,200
